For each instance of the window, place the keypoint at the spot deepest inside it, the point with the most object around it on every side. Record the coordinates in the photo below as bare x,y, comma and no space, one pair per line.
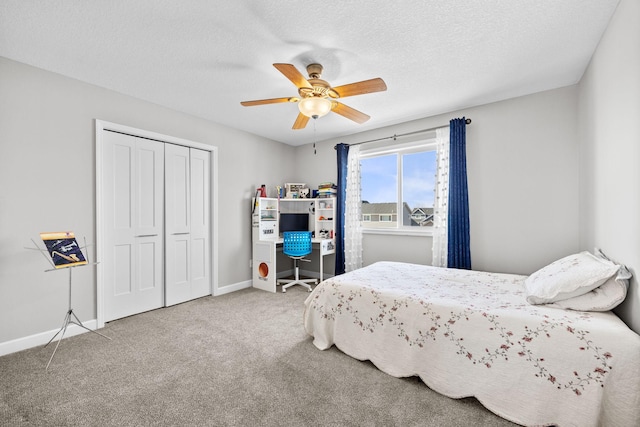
398,187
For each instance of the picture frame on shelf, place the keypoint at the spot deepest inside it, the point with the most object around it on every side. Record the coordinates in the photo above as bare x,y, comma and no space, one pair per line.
292,190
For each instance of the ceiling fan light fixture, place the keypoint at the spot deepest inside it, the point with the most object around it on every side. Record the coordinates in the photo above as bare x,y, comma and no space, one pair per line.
314,106
318,98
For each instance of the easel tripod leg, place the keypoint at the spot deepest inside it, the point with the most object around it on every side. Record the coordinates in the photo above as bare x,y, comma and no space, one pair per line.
63,329
65,322
79,323
67,319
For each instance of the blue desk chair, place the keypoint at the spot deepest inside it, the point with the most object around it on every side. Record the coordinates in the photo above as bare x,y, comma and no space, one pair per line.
296,245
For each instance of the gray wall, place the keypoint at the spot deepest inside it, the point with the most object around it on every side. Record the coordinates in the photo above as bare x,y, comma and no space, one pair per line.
610,150
47,126
522,163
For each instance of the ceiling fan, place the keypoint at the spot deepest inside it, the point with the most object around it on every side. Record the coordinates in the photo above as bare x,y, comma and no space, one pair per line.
318,98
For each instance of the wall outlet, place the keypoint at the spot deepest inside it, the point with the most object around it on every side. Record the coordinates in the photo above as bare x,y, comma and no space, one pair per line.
250,263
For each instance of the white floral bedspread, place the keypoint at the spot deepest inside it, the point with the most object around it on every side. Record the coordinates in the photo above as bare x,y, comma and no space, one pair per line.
468,333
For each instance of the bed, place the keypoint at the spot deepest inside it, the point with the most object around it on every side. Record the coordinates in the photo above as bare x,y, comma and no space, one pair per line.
469,333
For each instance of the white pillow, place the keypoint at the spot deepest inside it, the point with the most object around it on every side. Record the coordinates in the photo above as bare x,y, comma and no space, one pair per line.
603,298
568,277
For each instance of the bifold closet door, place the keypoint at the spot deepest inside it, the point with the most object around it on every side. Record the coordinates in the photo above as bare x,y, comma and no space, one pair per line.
200,223
133,176
187,265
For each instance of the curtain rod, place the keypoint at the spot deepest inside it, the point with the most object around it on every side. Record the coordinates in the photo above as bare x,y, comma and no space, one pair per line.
467,121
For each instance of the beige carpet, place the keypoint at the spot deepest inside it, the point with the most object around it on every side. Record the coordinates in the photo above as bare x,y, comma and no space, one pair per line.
241,359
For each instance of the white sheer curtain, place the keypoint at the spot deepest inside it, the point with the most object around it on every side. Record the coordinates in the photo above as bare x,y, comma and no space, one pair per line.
353,213
440,209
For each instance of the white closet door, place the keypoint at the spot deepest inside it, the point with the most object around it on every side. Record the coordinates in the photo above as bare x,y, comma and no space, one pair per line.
133,170
187,224
178,224
200,214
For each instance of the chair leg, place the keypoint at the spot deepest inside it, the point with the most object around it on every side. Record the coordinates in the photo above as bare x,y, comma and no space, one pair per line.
297,280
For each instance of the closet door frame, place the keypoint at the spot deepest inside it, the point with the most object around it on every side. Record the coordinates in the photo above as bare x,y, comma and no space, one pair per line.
104,126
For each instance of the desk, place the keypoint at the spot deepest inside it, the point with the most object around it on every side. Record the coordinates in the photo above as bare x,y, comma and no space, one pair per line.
264,260
265,225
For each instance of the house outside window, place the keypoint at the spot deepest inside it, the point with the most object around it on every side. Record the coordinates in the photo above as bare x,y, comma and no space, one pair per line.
398,187
422,216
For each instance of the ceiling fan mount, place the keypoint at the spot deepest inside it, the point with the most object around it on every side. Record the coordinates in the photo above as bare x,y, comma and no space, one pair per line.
314,71
319,87
317,96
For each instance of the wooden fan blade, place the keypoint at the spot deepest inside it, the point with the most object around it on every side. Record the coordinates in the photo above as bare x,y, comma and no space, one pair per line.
293,74
349,113
268,101
359,88
301,122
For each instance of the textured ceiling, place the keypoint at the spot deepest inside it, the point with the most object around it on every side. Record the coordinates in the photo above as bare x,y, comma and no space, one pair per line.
203,57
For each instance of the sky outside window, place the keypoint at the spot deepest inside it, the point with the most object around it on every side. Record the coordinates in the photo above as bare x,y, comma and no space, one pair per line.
379,176
418,179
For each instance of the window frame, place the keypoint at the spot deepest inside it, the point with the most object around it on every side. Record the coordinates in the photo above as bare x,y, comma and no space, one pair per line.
424,144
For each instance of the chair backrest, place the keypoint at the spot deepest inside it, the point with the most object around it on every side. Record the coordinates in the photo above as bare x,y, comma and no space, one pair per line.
296,243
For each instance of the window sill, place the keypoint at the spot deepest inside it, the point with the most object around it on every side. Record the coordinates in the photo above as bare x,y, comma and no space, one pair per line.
422,232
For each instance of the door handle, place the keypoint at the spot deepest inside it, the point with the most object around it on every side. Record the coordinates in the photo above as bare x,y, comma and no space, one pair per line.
180,234
146,235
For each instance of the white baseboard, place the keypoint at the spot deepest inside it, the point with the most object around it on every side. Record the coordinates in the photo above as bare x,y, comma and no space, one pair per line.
284,273
42,338
313,274
232,288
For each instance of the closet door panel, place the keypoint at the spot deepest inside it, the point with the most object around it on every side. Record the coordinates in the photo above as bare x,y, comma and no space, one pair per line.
199,190
122,270
200,220
149,220
149,189
134,198
178,224
120,183
150,254
198,259
177,180
177,267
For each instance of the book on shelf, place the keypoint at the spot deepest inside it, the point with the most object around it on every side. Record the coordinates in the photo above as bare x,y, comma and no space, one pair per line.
326,185
327,192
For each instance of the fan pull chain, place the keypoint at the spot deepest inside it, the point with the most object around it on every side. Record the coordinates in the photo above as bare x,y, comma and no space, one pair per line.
314,137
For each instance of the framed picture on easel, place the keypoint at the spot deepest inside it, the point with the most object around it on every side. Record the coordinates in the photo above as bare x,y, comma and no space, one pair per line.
63,249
